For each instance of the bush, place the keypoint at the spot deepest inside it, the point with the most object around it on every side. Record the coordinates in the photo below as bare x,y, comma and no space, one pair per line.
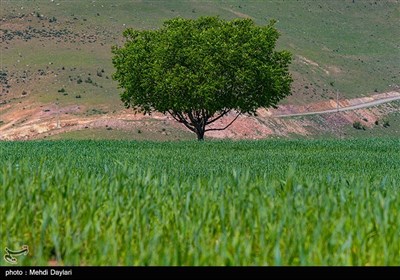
61,90
79,81
358,125
386,123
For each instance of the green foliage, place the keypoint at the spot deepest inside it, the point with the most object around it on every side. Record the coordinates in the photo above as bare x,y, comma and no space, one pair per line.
199,70
358,125
132,203
53,19
385,122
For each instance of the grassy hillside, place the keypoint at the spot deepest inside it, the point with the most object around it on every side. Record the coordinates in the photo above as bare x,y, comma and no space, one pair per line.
338,45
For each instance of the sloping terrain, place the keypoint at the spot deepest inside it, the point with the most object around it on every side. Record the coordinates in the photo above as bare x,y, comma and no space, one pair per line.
76,122
56,66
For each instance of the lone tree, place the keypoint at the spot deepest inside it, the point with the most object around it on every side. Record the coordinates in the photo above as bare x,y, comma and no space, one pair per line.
200,70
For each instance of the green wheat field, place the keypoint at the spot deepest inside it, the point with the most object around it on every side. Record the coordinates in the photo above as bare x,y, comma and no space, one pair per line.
270,202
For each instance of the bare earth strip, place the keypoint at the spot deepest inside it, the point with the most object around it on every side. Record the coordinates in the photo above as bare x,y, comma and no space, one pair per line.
391,96
41,121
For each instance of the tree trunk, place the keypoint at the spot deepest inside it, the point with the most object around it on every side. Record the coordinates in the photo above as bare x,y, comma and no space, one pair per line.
200,134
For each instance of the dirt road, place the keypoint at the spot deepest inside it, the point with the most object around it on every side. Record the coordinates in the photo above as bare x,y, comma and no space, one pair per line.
347,108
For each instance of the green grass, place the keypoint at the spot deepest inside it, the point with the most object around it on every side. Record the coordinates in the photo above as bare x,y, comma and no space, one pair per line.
141,132
354,44
379,130
274,202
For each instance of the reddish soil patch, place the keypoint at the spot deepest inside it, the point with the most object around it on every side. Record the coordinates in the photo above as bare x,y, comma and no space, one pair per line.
25,120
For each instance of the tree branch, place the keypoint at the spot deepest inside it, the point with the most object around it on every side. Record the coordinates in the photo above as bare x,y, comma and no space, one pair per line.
189,126
213,129
195,122
220,116
204,119
173,115
179,118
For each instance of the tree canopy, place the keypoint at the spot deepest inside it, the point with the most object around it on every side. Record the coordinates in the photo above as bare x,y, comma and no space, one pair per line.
200,70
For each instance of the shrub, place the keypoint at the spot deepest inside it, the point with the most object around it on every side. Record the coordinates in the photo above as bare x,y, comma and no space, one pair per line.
386,123
358,125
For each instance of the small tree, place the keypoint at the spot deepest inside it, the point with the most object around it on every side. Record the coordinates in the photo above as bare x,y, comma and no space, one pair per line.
200,70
